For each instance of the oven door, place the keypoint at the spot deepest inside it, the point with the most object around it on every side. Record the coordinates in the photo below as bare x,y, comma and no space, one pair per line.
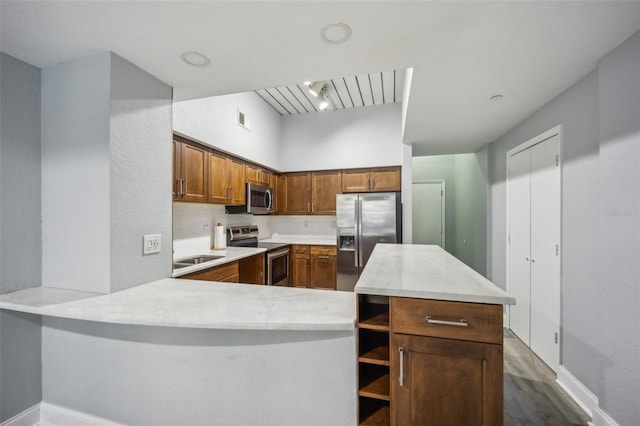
278,267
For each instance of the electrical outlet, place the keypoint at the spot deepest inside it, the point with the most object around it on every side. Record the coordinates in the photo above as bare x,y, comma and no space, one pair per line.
333,225
151,244
205,229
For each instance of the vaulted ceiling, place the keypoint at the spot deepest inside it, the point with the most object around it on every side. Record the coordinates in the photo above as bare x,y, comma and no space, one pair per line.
462,52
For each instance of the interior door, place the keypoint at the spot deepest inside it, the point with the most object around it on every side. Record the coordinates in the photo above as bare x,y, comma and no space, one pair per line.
545,250
427,213
519,243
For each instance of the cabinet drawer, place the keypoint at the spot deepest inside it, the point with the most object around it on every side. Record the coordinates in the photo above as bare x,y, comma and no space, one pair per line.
483,323
323,250
219,273
300,249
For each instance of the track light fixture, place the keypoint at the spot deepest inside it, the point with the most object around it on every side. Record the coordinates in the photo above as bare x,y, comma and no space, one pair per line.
318,88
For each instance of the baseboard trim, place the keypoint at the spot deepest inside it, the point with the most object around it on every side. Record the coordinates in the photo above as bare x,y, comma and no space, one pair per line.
55,415
600,418
586,399
29,417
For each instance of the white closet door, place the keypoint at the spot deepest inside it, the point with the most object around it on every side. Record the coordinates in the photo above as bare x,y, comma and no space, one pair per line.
545,240
519,187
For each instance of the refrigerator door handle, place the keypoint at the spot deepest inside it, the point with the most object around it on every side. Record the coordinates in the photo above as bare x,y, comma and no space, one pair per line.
359,234
356,245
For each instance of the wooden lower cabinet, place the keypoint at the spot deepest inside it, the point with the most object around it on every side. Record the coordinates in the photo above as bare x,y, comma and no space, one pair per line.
415,372
229,272
251,269
439,381
300,267
323,268
313,267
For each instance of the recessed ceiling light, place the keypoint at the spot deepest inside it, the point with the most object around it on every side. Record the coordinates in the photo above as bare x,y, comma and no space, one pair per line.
318,88
323,105
195,59
495,98
307,83
335,33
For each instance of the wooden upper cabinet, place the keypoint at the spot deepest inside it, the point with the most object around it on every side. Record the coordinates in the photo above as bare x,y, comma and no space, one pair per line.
355,180
190,170
236,173
381,179
218,186
226,180
324,188
297,189
258,175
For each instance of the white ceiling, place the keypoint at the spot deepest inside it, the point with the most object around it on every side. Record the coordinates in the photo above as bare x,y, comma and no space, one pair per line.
461,52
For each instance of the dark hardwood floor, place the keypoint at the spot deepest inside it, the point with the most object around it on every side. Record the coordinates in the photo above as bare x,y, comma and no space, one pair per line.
531,395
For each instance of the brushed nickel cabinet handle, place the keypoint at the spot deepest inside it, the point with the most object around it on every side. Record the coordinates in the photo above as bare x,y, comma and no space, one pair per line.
308,207
401,378
323,257
186,191
461,323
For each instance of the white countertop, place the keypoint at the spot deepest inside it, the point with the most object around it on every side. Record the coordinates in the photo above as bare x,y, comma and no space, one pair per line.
195,304
426,272
314,240
230,254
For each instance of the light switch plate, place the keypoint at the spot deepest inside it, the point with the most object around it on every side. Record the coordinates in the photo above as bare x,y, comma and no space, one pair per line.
151,244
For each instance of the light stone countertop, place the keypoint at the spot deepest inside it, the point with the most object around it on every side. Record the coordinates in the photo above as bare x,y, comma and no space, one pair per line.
426,272
314,240
195,304
230,254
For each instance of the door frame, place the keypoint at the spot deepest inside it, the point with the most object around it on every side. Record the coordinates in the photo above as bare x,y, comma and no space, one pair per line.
442,213
554,131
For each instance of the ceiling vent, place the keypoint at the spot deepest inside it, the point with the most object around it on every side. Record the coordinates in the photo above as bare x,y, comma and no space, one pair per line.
243,120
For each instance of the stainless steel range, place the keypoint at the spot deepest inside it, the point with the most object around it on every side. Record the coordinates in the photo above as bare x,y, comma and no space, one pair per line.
276,258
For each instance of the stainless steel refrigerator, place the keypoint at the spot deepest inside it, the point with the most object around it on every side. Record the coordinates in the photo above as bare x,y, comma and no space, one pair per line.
362,221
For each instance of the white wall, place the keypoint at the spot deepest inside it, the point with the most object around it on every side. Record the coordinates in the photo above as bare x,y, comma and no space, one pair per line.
349,138
75,174
140,174
139,375
20,233
213,121
600,118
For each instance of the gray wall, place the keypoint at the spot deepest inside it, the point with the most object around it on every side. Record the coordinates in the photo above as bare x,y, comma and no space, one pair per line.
466,187
140,174
618,332
106,173
75,174
139,375
600,230
20,232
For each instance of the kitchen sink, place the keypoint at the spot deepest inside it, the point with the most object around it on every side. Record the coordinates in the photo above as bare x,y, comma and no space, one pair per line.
196,260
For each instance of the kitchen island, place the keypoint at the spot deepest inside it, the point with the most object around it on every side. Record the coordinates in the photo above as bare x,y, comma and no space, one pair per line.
430,340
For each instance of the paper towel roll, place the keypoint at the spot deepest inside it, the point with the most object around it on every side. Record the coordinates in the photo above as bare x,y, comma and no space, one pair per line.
219,240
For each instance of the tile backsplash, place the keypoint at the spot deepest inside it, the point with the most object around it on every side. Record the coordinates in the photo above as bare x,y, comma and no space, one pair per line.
192,220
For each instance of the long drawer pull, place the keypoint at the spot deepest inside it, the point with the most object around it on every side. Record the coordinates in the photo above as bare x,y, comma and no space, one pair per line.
323,257
401,378
461,323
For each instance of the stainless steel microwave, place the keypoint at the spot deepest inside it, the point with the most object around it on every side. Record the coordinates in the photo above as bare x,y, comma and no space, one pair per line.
259,201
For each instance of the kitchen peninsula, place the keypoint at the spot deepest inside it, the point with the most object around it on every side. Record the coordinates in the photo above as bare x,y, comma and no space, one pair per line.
178,351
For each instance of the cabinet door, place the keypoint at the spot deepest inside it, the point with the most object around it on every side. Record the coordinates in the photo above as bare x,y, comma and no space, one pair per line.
299,266
218,187
194,171
445,381
355,180
235,173
177,178
297,200
385,179
324,188
323,272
